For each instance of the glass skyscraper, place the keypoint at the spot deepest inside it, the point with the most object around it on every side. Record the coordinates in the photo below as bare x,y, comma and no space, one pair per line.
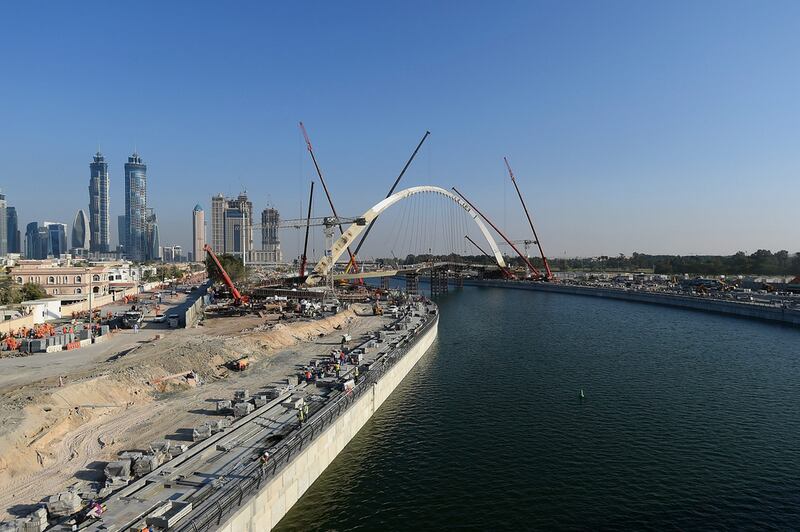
136,239
98,205
12,231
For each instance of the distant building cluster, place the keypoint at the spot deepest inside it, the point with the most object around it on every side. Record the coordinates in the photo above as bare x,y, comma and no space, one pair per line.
233,224
232,227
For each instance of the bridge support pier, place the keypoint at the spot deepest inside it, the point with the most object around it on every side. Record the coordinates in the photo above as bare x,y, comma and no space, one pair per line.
438,282
412,283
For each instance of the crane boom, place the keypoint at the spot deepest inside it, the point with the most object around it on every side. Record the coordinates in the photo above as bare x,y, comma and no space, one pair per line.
325,187
238,299
533,269
304,258
391,190
548,273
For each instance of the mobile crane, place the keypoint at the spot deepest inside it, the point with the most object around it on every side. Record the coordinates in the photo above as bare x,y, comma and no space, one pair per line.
238,299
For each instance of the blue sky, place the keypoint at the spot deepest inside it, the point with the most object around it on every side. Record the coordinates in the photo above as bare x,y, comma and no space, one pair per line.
632,126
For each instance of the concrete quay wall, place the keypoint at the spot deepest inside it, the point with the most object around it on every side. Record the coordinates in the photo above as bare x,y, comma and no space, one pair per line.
264,510
746,310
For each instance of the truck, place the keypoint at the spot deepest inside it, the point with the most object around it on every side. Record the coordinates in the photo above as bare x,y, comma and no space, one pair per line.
132,318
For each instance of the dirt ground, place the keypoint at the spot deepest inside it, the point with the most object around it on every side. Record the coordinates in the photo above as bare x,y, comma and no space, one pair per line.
53,436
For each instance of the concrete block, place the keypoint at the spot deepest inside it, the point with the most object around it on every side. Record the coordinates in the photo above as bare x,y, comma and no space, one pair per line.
242,409
85,334
223,406
160,446
100,339
260,400
119,469
241,395
104,329
294,402
64,504
272,393
201,433
220,425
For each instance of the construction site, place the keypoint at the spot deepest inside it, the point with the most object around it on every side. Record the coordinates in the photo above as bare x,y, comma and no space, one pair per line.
257,382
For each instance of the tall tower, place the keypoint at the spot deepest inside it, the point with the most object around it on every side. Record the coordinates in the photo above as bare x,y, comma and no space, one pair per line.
98,204
218,205
136,208
81,238
12,230
3,228
198,232
269,234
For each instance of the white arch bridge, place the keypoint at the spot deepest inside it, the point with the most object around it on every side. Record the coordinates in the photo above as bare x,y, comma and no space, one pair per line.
324,266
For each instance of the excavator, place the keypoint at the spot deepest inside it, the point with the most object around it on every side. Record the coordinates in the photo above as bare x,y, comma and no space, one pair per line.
238,299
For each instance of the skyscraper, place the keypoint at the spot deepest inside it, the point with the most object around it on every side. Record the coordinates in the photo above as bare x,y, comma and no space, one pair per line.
98,204
80,232
3,227
269,234
218,204
198,231
12,231
37,241
122,232
136,237
232,224
57,234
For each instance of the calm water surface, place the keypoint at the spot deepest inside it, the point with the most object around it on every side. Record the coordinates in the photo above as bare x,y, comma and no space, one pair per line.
690,421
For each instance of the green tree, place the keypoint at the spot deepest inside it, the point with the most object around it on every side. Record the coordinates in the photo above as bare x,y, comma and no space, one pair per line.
233,265
9,290
31,291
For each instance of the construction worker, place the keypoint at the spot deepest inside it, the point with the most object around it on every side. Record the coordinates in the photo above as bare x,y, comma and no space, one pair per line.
337,368
264,459
300,415
355,372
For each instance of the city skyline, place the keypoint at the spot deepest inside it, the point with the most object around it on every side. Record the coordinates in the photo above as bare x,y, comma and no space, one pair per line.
656,148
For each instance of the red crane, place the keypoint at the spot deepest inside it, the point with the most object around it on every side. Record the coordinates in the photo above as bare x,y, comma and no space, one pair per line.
238,298
548,274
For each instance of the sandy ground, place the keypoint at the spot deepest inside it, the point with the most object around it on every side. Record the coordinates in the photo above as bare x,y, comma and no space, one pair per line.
52,437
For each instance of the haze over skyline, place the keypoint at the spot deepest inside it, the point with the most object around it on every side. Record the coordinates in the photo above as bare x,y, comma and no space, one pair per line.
631,126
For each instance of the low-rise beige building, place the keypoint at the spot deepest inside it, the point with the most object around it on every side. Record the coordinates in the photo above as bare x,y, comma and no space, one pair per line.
70,283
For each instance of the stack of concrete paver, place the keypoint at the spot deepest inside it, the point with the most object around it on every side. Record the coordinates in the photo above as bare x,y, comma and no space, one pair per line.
64,504
242,409
118,473
202,432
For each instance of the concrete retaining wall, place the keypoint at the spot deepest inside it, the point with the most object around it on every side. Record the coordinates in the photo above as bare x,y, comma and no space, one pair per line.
263,511
196,309
12,325
746,310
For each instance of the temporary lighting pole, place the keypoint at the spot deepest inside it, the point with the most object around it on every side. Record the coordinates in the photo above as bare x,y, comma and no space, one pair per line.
391,190
325,187
535,237
533,269
304,258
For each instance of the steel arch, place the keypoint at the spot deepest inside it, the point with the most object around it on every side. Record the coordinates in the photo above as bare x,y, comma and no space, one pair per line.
326,263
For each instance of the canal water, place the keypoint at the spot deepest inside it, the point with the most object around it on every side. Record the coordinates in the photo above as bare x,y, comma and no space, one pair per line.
690,421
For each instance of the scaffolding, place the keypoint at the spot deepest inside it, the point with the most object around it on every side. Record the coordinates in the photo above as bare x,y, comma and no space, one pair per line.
412,283
438,281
